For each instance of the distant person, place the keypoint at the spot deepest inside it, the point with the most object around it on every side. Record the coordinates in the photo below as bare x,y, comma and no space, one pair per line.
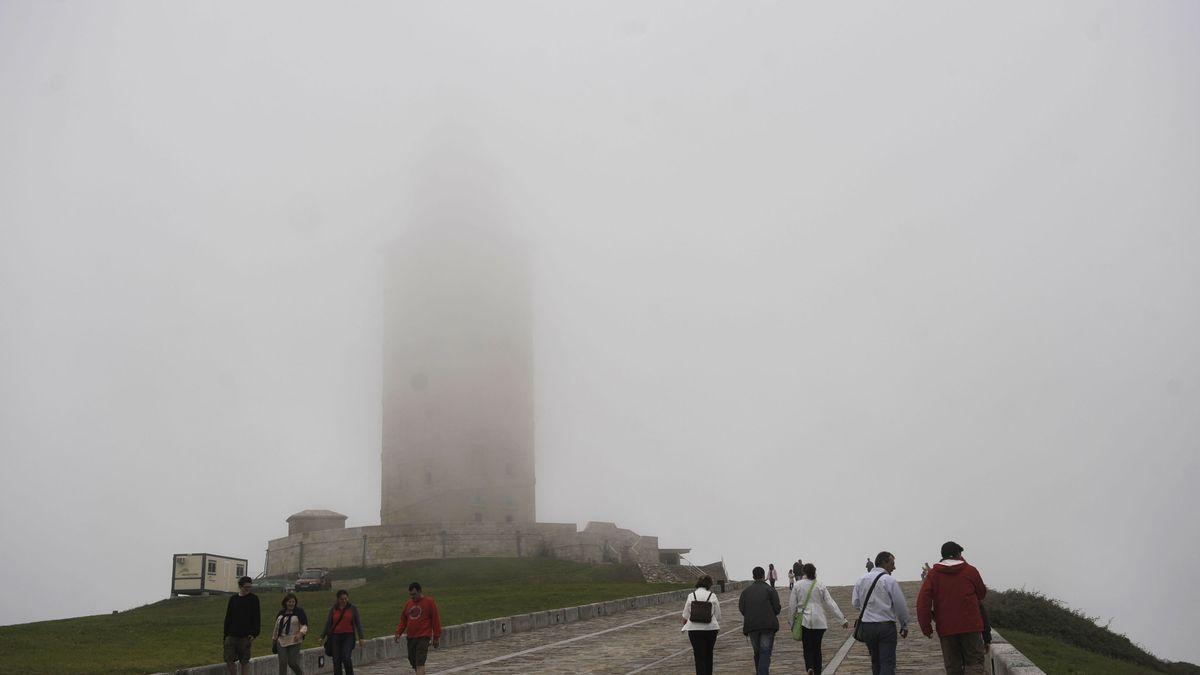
291,625
870,565
951,597
878,596
924,571
808,602
701,617
759,605
772,575
421,621
791,579
341,627
243,623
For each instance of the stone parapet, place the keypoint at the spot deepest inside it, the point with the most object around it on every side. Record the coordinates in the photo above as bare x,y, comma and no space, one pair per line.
384,648
1004,659
383,544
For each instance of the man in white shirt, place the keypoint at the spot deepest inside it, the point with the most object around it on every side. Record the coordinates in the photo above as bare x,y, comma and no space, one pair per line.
884,609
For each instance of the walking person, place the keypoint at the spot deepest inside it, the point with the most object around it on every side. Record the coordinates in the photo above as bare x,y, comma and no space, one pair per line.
291,625
881,602
950,597
759,605
772,575
341,627
807,604
420,619
701,620
791,579
243,623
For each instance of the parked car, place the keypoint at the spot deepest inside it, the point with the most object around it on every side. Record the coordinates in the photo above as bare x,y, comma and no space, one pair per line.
314,580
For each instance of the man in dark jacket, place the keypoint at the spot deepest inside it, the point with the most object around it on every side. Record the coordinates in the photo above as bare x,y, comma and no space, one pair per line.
950,597
759,605
243,623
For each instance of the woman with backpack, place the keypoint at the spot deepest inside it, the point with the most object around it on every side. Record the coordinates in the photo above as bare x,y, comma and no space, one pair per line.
701,617
809,601
291,625
341,626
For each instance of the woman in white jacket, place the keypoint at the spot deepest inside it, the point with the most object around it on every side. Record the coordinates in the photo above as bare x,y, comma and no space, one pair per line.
702,634
812,599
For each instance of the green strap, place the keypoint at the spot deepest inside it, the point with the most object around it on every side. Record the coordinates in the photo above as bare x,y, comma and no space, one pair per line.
806,599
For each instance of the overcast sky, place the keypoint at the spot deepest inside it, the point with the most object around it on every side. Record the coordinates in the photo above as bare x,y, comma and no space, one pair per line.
879,275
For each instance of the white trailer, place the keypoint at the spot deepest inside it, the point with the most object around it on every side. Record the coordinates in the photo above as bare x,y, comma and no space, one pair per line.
205,573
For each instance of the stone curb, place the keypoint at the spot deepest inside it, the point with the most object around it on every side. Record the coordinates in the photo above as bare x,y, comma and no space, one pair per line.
385,648
1004,659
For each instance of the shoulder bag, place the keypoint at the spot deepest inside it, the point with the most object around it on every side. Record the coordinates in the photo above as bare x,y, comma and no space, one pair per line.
702,610
798,620
858,621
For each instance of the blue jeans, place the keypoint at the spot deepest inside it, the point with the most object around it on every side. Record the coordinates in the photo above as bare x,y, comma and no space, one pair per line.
343,659
880,638
762,642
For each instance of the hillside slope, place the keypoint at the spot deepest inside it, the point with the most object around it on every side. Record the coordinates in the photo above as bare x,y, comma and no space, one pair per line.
186,631
1064,640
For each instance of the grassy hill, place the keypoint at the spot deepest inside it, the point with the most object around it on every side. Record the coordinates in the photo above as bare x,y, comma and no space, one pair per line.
1063,640
186,631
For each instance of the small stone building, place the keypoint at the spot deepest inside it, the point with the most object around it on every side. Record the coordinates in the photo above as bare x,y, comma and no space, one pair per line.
315,520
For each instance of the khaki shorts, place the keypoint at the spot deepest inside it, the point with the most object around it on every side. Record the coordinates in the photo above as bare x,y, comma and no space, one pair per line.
237,649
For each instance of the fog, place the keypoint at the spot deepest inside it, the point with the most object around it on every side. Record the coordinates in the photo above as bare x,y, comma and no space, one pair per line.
868,277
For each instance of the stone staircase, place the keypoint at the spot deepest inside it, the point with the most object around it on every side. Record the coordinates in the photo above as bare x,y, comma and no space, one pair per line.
658,573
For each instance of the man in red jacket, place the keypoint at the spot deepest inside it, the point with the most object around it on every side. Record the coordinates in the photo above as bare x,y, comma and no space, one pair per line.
950,596
420,618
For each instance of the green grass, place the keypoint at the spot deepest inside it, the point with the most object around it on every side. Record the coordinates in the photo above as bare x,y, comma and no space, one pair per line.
186,631
1059,658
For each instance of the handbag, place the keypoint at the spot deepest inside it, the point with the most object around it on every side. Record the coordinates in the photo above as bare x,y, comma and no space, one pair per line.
858,621
702,610
798,620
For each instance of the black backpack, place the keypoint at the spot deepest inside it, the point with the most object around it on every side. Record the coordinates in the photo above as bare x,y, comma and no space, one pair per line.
702,610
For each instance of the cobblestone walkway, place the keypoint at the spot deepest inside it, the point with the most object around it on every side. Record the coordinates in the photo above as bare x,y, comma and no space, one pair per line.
649,641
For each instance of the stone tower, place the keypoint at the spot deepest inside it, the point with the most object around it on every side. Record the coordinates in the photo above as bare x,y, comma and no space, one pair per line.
458,380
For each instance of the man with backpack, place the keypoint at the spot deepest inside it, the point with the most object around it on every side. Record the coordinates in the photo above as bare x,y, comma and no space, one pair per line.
759,605
951,597
701,616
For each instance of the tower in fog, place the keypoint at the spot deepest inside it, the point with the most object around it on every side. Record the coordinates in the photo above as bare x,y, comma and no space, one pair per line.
457,442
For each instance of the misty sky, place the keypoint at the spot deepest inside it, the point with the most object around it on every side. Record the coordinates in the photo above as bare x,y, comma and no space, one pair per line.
879,275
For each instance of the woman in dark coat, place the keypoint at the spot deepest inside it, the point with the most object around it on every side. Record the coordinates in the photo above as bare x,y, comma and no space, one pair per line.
341,627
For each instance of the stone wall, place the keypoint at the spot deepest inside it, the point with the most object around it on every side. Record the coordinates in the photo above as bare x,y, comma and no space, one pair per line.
383,544
1004,659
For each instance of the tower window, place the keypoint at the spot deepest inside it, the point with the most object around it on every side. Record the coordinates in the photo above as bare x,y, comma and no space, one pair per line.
508,519
479,517
428,478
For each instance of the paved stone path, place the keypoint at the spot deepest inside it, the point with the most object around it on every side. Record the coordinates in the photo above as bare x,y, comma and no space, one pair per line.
649,641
